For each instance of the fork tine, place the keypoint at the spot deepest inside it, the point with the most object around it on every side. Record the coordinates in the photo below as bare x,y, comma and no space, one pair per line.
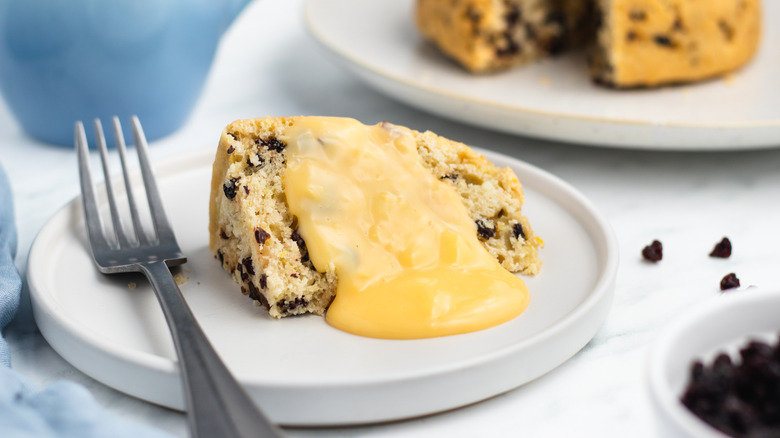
88,199
119,233
159,219
120,145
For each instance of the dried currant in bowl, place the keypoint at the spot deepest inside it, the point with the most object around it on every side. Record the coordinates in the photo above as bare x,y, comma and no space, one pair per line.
714,370
738,396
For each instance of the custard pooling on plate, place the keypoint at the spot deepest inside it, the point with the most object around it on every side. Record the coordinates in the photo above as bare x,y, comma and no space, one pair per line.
403,246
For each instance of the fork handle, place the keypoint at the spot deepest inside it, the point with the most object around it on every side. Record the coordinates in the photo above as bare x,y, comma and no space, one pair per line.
217,405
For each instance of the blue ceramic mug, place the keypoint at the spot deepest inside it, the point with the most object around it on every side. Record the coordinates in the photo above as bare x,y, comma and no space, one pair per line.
68,60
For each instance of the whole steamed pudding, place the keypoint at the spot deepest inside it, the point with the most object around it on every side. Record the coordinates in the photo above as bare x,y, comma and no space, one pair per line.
398,234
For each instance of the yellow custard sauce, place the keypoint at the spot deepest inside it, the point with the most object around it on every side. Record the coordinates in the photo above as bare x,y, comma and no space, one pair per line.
405,250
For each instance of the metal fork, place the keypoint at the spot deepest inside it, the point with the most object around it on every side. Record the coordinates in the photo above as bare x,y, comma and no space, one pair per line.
217,405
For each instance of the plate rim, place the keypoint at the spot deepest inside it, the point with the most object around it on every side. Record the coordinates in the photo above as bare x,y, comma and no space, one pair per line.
361,67
599,298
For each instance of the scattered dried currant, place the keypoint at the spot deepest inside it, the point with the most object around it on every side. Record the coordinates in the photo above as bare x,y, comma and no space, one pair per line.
450,176
231,149
264,281
722,249
517,230
255,160
272,144
244,274
677,25
510,48
261,235
555,17
285,306
255,294
473,15
485,228
296,237
653,252
726,29
512,16
555,45
730,281
530,32
230,188
248,267
663,40
637,15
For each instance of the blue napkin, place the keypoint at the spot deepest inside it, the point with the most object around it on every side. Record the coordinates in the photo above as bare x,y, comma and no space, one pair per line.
64,409
10,282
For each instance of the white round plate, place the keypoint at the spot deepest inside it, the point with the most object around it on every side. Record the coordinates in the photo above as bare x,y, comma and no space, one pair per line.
300,370
553,99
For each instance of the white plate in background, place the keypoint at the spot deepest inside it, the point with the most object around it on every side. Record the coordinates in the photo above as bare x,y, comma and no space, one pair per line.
301,370
554,99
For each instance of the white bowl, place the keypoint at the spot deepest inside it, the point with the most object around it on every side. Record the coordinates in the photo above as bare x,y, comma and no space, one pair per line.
721,325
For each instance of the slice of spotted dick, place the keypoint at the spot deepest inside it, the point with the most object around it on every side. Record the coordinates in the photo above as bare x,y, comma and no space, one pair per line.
254,236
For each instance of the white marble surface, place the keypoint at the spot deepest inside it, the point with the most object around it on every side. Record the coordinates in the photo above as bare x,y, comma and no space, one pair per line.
268,65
